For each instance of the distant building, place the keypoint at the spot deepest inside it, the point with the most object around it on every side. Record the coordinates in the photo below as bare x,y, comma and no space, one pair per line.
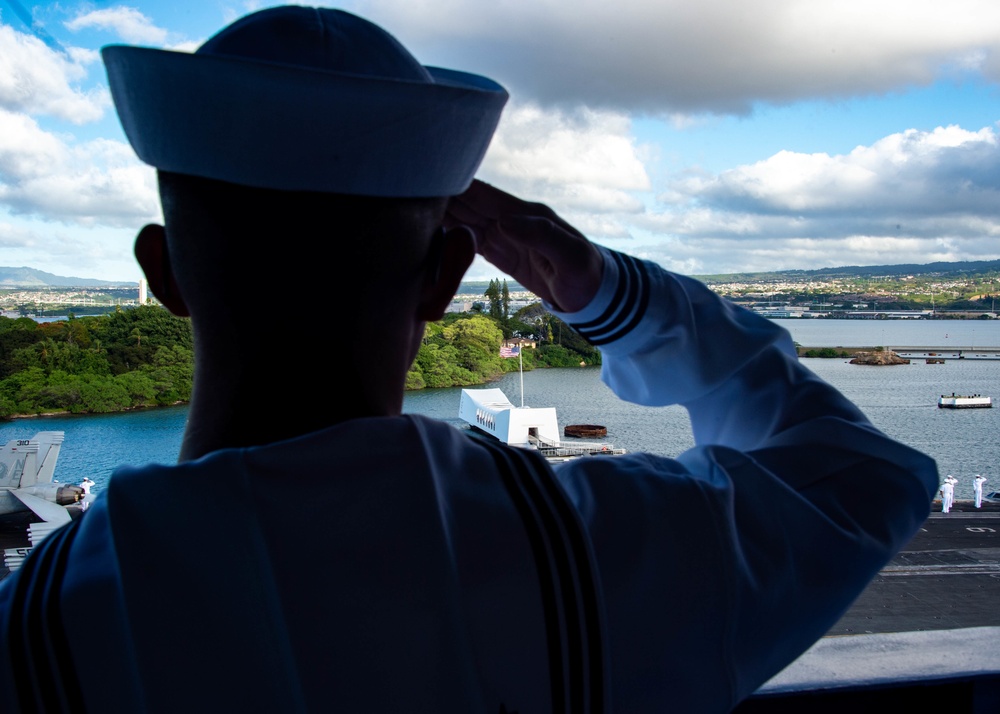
459,306
142,291
782,311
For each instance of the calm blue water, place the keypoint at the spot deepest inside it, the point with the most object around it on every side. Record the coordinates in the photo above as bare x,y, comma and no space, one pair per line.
96,444
899,400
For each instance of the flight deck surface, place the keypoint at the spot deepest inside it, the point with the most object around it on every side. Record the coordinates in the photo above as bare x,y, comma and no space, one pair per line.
946,577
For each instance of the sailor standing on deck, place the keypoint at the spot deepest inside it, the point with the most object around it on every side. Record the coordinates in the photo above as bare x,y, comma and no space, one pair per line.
947,493
977,489
85,485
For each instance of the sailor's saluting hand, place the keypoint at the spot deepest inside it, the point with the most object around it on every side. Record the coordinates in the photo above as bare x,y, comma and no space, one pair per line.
532,244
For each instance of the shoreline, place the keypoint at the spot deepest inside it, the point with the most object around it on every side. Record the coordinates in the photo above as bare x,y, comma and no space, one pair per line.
848,351
67,413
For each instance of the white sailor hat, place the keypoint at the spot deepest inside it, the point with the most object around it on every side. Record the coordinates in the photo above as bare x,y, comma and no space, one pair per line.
305,99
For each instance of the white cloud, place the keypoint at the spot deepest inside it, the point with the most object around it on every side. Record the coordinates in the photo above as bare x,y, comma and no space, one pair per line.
73,252
676,56
98,182
185,46
13,237
587,146
37,79
903,179
126,22
909,197
585,164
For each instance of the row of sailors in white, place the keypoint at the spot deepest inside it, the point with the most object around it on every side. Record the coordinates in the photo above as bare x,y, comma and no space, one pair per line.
948,492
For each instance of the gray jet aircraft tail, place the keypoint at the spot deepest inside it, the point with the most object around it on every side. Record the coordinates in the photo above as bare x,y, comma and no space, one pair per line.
27,467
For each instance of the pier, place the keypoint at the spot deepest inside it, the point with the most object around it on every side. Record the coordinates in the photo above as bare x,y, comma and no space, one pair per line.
942,353
920,352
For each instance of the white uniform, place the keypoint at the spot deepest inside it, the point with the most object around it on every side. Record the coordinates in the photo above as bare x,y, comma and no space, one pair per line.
947,495
977,490
85,485
395,564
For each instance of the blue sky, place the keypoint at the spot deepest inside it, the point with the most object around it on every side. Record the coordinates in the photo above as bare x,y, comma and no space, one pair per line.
710,137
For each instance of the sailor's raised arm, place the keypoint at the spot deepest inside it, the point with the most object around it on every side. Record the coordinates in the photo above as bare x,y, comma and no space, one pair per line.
691,343
532,244
776,540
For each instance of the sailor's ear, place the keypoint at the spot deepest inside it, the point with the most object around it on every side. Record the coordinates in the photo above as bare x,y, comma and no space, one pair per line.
450,255
154,259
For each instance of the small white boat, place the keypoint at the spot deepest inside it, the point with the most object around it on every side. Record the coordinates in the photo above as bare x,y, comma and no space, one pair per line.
958,401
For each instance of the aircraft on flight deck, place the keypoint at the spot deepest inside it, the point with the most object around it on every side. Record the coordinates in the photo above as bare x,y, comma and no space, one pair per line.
26,484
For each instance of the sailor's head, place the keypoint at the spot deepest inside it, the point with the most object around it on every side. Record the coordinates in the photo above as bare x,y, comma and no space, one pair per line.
306,99
311,131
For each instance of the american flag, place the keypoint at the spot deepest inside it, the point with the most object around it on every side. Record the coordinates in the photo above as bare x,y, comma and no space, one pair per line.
506,351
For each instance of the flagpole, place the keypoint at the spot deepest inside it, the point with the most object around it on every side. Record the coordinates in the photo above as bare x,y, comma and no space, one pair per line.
506,351
520,365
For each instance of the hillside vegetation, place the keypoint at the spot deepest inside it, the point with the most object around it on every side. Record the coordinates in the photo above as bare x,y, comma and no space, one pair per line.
143,356
135,357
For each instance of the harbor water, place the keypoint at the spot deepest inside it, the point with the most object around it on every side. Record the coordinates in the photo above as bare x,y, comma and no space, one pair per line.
900,400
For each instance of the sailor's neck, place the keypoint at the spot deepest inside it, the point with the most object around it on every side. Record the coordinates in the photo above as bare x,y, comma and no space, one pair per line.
248,418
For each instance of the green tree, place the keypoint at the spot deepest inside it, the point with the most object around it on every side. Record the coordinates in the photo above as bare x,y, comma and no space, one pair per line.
464,351
156,328
477,341
172,374
23,389
414,379
64,356
495,299
438,367
16,334
558,356
140,388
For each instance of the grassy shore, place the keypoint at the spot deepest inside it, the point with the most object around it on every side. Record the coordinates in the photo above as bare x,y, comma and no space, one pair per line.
831,352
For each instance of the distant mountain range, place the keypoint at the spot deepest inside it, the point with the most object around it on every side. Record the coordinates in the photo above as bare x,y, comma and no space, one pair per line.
25,277
944,269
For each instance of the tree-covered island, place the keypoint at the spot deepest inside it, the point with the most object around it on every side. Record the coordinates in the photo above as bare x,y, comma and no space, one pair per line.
132,357
143,356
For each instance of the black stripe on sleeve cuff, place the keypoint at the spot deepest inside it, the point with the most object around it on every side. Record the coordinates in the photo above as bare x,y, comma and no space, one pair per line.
627,306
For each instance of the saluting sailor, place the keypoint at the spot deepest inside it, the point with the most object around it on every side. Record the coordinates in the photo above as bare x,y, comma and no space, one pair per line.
977,489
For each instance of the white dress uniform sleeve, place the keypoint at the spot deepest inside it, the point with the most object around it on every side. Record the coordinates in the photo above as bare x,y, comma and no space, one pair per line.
721,566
